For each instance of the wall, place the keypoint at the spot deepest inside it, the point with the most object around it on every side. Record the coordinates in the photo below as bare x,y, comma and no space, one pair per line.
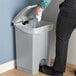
8,9
72,48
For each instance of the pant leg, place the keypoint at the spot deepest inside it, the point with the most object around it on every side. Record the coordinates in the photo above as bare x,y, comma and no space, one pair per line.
64,28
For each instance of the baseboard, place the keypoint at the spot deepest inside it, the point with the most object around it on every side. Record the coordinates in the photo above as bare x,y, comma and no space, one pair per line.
7,66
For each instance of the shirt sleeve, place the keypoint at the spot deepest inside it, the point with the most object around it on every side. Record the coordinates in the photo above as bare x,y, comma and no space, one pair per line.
44,3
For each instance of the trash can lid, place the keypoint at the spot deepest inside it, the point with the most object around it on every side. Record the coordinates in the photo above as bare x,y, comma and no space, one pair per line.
22,15
26,22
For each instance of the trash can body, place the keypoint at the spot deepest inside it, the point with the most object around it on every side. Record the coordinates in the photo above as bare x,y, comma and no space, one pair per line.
32,45
31,49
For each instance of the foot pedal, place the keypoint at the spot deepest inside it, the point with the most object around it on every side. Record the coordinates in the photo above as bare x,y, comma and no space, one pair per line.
45,69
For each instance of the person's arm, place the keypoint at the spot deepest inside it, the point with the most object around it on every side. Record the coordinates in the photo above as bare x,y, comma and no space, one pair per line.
44,4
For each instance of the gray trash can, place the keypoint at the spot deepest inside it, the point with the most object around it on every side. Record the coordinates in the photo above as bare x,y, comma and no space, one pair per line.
32,42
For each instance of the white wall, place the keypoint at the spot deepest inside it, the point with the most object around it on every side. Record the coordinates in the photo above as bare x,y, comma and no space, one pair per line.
51,14
52,11
72,49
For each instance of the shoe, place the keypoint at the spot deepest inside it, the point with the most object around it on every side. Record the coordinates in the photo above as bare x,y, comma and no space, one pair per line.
49,71
75,72
46,69
57,74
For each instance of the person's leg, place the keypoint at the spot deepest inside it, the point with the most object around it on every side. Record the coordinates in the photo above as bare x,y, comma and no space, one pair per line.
64,28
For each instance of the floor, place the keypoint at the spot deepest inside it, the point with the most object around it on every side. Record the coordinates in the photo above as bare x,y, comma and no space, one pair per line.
69,71
14,72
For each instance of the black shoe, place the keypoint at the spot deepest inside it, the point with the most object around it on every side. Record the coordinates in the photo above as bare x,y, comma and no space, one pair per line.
57,74
46,69
75,72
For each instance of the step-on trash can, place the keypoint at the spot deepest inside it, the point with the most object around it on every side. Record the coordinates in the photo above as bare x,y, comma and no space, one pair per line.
32,40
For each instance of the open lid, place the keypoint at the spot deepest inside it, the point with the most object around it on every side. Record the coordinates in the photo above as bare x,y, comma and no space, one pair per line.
22,15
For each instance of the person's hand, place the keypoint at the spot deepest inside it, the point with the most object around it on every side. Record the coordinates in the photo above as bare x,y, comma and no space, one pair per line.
39,12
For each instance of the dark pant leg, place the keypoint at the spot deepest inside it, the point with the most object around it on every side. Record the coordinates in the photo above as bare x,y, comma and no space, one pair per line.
64,28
